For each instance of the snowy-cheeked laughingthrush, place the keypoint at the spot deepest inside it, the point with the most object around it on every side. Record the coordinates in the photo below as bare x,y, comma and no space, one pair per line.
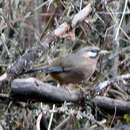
74,68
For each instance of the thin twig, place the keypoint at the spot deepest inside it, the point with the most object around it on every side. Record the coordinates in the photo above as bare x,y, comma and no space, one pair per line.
104,84
117,33
5,46
115,13
116,45
62,123
119,52
50,122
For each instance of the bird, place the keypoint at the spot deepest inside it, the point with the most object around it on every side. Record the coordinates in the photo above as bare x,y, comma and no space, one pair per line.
73,68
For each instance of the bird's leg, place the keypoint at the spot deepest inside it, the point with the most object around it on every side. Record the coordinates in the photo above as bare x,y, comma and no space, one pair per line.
66,88
78,86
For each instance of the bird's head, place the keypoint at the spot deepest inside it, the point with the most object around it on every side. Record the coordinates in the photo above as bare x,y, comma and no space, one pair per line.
92,52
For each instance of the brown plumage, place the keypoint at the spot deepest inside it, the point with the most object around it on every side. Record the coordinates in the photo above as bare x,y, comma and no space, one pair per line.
73,68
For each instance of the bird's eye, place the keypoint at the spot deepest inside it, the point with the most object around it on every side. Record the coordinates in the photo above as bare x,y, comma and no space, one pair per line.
92,54
95,50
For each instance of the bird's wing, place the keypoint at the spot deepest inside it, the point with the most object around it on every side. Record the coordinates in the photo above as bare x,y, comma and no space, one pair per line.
65,62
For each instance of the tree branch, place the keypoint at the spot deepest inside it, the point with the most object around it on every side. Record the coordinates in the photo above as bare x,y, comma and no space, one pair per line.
32,89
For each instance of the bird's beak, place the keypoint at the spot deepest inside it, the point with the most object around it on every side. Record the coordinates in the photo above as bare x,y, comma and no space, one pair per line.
103,52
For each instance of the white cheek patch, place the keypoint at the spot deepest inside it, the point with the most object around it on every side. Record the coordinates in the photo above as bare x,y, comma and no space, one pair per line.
92,54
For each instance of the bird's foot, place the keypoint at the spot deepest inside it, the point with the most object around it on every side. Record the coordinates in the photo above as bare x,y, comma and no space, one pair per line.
68,90
81,89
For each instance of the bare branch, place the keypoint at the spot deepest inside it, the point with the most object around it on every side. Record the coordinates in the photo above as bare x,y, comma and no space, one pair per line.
32,89
109,104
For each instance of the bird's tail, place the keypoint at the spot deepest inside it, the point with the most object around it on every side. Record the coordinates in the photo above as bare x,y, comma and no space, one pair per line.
49,69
